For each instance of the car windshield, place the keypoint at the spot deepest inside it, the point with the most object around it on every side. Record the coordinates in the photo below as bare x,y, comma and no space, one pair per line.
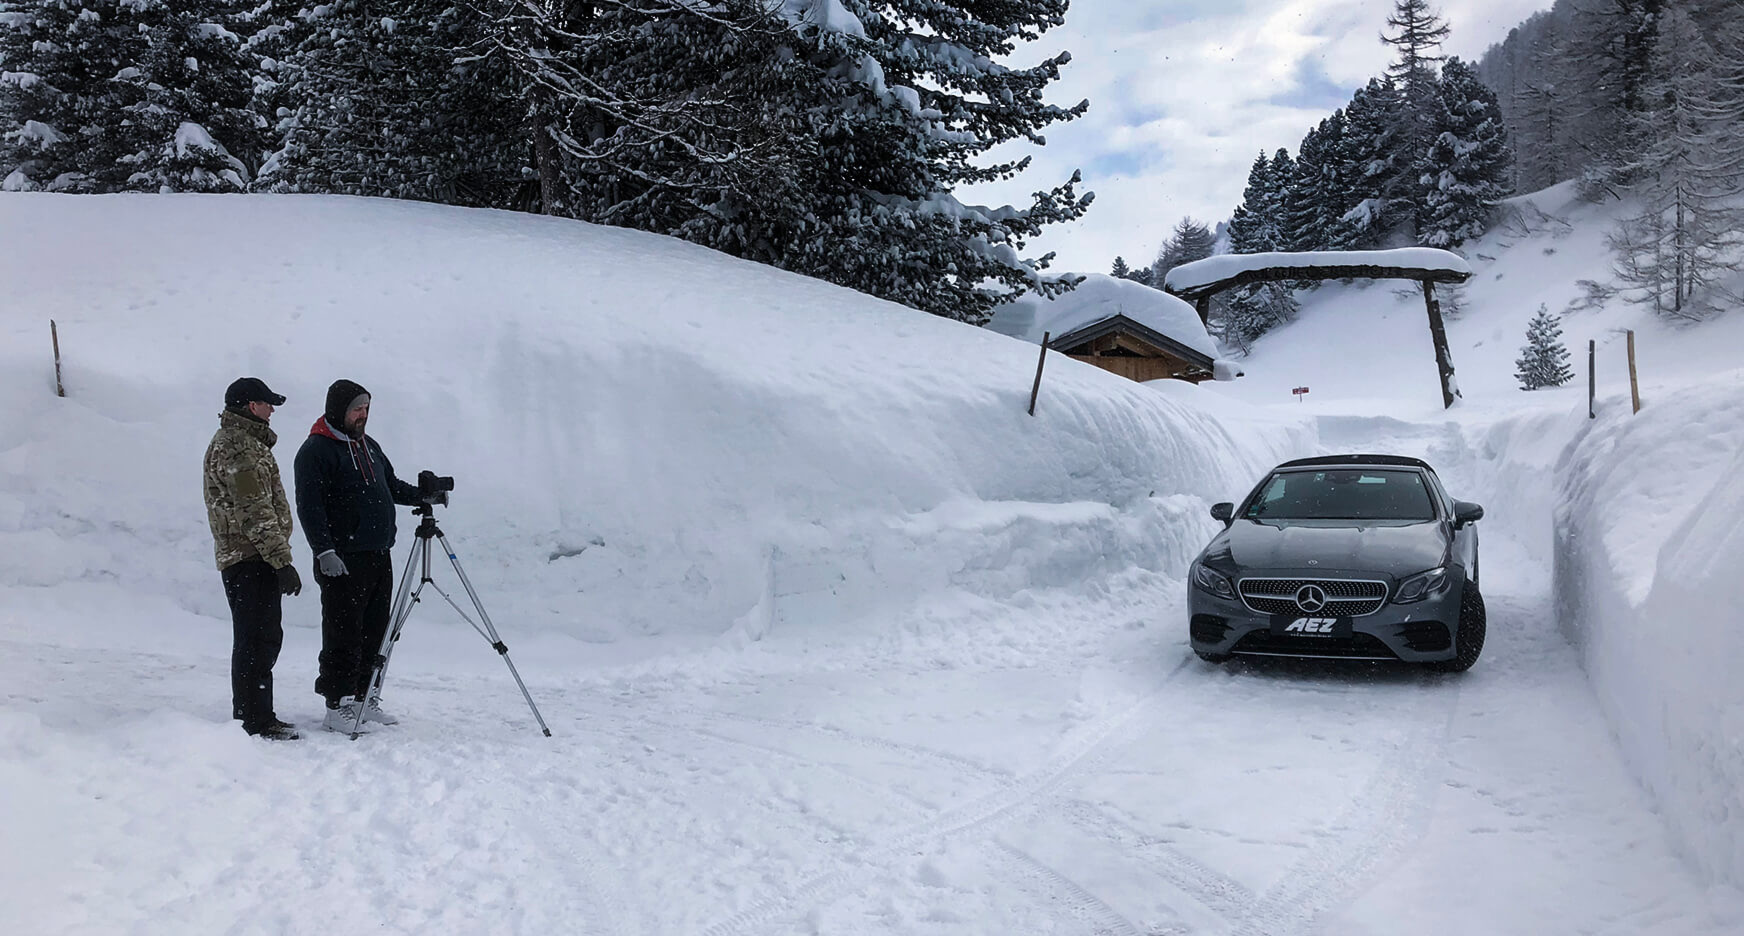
1343,494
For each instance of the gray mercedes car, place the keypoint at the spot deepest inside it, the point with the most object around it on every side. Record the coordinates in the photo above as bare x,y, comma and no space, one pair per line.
1350,556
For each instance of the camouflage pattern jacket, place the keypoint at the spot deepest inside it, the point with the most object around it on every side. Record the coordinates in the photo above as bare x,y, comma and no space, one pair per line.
245,500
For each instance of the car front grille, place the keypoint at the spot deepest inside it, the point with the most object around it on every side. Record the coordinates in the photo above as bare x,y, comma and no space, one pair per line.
1346,597
1355,647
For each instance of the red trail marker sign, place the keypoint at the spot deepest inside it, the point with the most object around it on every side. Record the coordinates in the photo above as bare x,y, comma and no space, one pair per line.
1299,392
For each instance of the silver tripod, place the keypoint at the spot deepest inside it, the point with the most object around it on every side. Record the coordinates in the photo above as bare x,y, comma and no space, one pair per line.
408,596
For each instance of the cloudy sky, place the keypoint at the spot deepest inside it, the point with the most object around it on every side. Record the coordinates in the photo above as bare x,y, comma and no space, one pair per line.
1185,93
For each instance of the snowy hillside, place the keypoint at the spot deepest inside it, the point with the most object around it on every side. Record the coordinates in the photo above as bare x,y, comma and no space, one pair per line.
1366,345
832,636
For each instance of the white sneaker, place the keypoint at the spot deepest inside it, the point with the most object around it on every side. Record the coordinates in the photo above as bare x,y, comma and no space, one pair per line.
343,718
373,713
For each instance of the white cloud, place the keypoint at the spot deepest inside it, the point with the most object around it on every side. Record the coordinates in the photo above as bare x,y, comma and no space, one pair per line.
1184,93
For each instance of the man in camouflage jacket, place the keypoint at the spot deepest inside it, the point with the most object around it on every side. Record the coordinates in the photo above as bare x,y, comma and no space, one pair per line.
251,529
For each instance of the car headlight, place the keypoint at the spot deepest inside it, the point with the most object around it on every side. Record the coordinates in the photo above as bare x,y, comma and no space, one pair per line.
1431,584
1212,582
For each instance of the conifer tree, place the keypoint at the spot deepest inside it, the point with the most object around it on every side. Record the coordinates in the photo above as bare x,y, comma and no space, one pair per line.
1543,361
1121,270
403,105
1368,156
821,138
1464,173
126,95
1190,240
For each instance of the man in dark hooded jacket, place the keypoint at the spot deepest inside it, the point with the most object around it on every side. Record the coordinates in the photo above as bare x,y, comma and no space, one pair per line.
346,492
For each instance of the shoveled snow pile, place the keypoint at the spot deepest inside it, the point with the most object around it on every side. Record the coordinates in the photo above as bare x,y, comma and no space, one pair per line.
1097,298
1650,585
643,461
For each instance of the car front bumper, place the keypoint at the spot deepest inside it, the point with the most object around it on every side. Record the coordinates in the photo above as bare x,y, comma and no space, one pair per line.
1419,632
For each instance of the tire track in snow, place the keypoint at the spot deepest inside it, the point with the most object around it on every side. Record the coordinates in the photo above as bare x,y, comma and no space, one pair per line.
980,813
1080,904
1390,812
1217,892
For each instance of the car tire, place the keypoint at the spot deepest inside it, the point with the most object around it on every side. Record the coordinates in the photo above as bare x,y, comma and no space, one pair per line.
1468,643
1212,657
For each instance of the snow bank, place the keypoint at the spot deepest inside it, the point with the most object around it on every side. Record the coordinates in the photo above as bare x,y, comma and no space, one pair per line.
1650,544
1100,297
1225,266
657,448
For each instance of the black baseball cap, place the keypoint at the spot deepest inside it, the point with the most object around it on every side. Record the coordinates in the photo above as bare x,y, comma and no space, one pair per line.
246,390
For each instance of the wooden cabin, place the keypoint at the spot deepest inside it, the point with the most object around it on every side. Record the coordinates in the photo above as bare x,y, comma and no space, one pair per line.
1133,350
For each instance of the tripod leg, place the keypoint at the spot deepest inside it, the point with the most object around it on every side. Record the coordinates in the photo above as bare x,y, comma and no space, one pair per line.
490,632
405,599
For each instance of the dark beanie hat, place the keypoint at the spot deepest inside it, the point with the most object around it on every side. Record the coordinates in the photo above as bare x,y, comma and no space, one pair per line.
245,390
339,397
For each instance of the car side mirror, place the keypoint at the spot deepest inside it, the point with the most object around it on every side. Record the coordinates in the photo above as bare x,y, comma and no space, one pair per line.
1465,512
1223,513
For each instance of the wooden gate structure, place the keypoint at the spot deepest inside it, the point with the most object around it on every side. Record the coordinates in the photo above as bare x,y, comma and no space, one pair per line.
1197,282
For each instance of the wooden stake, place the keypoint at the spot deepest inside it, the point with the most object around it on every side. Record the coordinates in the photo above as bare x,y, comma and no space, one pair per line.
1438,334
1037,389
54,333
1592,380
1634,384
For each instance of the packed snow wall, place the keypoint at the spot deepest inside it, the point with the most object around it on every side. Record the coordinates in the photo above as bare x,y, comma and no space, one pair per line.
654,444
1650,586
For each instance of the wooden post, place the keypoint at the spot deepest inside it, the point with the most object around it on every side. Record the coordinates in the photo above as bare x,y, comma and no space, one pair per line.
1203,304
55,334
1634,385
1037,389
1438,333
1592,380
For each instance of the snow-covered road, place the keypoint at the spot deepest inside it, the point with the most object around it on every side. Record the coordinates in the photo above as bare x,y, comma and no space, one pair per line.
1128,790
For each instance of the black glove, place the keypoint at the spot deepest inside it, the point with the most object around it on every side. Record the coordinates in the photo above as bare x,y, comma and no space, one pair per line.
290,583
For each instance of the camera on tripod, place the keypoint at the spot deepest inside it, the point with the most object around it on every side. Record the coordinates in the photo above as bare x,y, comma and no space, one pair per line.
433,488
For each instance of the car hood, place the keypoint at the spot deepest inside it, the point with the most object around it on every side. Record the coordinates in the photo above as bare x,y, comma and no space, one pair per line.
1390,549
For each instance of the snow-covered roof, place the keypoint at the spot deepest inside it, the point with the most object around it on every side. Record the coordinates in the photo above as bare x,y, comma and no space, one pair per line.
1214,270
1098,298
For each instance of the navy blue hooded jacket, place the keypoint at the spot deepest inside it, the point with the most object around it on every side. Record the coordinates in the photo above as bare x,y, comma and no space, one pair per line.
346,492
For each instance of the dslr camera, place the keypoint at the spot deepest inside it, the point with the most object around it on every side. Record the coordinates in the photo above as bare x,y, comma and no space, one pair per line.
433,488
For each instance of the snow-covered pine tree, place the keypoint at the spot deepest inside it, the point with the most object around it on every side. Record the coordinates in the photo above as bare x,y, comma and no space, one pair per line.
394,99
1190,240
192,128
1464,174
1248,312
1249,225
821,136
1372,130
1671,255
1121,270
1543,361
1416,31
127,95
59,110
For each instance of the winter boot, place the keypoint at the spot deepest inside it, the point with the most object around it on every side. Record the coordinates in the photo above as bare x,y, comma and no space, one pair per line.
343,717
372,712
276,730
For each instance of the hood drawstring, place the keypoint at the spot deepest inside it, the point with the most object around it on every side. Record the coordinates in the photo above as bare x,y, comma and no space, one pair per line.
357,447
364,465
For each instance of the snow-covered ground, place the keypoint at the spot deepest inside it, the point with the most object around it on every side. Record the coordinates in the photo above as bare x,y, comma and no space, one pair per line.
831,635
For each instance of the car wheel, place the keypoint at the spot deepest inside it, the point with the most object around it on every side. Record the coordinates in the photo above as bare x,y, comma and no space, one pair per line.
1469,642
1212,657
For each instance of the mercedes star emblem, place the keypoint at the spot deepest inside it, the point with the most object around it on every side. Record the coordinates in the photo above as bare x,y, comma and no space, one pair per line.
1311,598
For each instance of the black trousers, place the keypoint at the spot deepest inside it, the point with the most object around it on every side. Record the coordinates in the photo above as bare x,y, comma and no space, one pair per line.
354,619
252,588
